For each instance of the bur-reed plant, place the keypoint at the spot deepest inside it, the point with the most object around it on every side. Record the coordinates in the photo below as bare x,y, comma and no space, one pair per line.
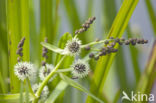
46,76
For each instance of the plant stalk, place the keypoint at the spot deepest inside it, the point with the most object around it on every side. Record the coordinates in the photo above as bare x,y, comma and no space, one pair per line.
39,91
96,42
30,89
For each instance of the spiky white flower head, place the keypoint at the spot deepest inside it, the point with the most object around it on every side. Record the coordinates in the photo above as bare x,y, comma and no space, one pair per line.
44,93
80,69
23,70
45,70
73,47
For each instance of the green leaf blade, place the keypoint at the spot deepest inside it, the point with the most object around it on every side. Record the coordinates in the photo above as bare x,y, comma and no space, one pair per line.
57,91
52,47
14,36
79,87
104,63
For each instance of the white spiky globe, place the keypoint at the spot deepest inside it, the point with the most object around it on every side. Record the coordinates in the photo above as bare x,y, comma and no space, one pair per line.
73,47
24,70
80,69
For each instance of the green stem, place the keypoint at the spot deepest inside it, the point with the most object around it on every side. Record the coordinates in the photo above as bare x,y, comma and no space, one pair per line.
64,70
21,92
96,42
30,89
47,79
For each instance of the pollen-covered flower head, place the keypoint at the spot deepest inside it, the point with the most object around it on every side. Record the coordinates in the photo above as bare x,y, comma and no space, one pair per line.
23,70
44,93
80,69
73,47
45,71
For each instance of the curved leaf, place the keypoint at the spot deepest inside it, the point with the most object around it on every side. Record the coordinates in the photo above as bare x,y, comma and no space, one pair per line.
79,87
52,47
62,43
11,98
57,91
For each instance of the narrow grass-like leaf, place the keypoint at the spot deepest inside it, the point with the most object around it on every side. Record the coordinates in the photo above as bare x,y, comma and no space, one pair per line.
56,18
42,26
34,38
152,14
89,13
117,29
3,45
74,18
79,87
3,26
4,48
52,47
13,24
89,10
109,14
72,12
61,86
48,22
24,11
2,84
11,98
123,17
4,70
45,8
148,77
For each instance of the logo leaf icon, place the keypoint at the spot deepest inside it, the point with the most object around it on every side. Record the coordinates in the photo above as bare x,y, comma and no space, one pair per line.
125,96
